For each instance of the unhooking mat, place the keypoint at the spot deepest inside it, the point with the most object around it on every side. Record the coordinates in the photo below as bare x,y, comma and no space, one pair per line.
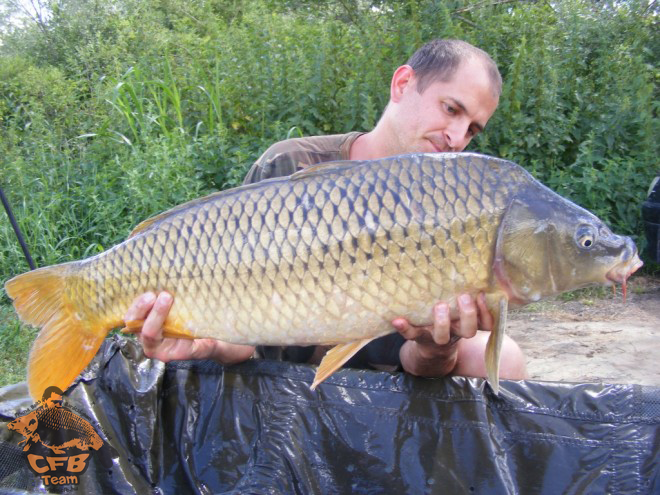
196,427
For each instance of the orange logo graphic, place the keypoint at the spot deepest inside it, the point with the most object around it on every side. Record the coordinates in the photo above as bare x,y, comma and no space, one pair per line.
59,441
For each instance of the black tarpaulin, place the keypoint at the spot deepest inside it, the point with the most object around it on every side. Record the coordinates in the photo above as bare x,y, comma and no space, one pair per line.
196,427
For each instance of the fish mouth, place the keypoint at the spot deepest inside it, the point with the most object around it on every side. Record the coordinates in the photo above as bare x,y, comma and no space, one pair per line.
621,272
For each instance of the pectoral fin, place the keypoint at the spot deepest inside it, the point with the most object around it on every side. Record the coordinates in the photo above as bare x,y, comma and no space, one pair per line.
494,346
335,358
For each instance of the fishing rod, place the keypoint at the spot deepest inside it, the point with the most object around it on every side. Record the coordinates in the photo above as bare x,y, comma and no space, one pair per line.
17,230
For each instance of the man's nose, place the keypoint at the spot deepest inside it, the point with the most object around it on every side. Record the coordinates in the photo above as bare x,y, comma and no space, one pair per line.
457,136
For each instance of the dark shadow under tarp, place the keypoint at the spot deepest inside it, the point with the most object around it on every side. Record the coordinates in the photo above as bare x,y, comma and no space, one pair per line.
194,427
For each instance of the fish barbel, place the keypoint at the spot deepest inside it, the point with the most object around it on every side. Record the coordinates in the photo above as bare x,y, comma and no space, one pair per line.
329,255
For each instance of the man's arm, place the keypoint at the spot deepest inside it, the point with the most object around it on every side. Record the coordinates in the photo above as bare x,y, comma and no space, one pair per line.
433,350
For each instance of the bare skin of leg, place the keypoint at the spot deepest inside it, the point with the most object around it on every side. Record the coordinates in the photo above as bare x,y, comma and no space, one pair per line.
471,362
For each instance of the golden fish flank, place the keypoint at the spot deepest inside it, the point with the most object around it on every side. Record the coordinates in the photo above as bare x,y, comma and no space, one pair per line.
329,255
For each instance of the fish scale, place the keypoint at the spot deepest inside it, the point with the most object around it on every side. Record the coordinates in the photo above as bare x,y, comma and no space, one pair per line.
62,419
329,255
291,254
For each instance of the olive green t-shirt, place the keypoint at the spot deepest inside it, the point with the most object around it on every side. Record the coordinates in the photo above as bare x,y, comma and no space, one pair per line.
286,157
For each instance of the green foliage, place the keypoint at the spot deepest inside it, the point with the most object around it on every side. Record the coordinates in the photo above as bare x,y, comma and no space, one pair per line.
79,207
578,107
111,112
15,340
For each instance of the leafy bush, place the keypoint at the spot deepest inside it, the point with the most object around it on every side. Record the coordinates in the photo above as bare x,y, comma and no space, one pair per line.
112,112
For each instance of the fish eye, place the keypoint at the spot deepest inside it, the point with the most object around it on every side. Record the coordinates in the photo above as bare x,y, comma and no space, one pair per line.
586,241
586,237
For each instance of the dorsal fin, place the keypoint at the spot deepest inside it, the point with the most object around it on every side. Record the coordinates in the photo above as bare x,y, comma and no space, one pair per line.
145,224
323,168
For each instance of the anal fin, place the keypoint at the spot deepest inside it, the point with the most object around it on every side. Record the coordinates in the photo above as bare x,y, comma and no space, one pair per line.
132,326
335,358
169,330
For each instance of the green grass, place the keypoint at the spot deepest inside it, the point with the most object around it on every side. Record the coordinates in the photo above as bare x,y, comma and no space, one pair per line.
588,294
15,341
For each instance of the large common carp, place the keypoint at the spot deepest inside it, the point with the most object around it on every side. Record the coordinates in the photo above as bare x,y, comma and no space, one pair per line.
329,255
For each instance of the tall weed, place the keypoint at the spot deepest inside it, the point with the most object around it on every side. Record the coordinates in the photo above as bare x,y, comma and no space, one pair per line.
119,111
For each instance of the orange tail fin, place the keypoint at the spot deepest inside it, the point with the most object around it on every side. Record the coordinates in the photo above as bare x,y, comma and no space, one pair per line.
66,343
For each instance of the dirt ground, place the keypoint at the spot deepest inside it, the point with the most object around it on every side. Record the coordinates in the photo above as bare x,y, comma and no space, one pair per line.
595,337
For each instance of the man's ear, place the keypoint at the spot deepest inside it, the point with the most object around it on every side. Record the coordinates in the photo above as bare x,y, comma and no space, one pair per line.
402,79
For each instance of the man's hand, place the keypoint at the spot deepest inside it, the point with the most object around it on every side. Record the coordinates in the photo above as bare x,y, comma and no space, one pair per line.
154,310
432,350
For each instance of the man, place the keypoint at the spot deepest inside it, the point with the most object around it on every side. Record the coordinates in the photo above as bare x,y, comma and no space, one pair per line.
439,100
52,397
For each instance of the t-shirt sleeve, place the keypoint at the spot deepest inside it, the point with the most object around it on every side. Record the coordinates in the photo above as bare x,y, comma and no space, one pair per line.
281,159
286,157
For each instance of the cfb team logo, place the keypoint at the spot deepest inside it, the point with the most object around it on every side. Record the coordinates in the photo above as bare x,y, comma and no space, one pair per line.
58,442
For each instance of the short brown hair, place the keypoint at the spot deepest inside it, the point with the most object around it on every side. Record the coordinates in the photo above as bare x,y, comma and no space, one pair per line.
50,391
439,59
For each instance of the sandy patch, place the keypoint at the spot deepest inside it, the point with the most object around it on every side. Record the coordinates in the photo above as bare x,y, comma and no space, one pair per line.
594,338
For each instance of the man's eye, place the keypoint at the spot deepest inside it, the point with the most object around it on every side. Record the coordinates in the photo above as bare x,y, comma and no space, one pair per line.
451,110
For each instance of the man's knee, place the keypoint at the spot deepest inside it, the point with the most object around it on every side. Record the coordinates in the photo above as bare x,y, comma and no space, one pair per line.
471,358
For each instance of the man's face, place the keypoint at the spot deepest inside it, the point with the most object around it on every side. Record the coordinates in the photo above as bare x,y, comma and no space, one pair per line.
446,116
54,401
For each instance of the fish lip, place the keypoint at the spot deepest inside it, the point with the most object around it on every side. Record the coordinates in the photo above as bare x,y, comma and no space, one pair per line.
621,272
